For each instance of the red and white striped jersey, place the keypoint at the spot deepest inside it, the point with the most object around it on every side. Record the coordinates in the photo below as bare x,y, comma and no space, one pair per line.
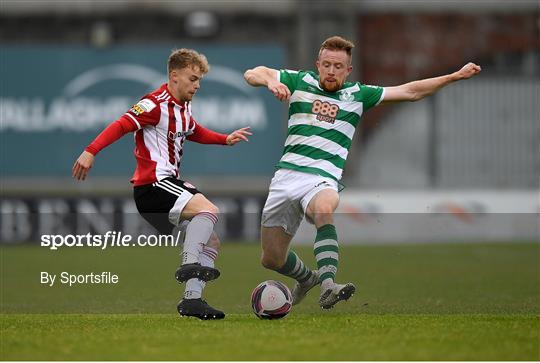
161,124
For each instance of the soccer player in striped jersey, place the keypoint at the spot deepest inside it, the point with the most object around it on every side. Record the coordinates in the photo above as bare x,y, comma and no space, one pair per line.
161,122
324,111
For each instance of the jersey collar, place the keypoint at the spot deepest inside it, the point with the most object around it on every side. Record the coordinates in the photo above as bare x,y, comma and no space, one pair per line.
173,99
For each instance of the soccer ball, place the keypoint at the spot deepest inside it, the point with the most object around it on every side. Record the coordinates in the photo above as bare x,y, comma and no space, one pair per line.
271,300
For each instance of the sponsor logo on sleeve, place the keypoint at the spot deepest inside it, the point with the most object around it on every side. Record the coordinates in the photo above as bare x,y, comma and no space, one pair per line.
143,106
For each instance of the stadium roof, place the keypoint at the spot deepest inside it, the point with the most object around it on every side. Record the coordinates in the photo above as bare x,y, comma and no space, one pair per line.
274,7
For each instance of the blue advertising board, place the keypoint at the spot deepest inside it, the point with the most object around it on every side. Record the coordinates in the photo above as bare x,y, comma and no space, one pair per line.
55,100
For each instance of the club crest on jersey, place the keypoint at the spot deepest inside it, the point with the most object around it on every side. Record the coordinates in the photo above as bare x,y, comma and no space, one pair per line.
346,96
325,111
143,106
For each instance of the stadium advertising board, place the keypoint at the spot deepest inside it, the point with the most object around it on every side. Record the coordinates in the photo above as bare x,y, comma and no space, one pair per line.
363,217
55,100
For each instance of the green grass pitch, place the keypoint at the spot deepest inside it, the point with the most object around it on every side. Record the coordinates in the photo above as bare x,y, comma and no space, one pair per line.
413,302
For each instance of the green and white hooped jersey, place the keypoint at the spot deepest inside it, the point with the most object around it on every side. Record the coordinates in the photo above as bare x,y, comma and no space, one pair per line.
322,124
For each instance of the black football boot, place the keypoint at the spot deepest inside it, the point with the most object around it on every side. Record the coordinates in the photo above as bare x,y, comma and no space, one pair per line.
200,309
195,270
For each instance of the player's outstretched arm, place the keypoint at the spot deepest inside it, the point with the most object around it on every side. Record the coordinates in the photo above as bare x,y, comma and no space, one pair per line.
238,135
414,91
202,135
264,76
82,165
113,132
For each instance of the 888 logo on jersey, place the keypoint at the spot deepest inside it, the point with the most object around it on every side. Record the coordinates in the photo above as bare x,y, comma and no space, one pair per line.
325,111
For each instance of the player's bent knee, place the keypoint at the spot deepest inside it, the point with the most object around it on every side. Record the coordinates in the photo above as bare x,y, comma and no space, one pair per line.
324,217
323,208
199,204
213,209
208,206
324,211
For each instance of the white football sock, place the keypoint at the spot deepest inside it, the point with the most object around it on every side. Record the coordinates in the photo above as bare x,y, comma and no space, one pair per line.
194,287
327,284
198,232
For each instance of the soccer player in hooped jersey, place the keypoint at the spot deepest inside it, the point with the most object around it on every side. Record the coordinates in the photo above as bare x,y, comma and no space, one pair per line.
324,111
162,121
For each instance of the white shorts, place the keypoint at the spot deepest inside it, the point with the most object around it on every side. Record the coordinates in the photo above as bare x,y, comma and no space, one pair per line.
289,196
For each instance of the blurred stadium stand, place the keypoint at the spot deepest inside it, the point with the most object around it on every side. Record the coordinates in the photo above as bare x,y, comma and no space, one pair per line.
397,41
480,134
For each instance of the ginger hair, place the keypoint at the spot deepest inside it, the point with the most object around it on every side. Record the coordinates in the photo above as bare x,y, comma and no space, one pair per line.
337,43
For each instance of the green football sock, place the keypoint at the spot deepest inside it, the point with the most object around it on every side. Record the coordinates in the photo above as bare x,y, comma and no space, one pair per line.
326,250
294,267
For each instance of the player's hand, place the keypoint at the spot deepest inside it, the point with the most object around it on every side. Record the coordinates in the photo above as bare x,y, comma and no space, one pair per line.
238,135
469,70
279,90
82,165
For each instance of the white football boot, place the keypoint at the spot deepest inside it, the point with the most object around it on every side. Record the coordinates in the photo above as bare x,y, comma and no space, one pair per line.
335,293
301,289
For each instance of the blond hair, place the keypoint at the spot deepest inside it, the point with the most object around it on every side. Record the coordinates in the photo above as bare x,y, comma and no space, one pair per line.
337,43
182,58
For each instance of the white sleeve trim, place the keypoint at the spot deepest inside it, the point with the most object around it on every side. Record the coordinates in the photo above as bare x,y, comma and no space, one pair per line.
134,120
382,96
